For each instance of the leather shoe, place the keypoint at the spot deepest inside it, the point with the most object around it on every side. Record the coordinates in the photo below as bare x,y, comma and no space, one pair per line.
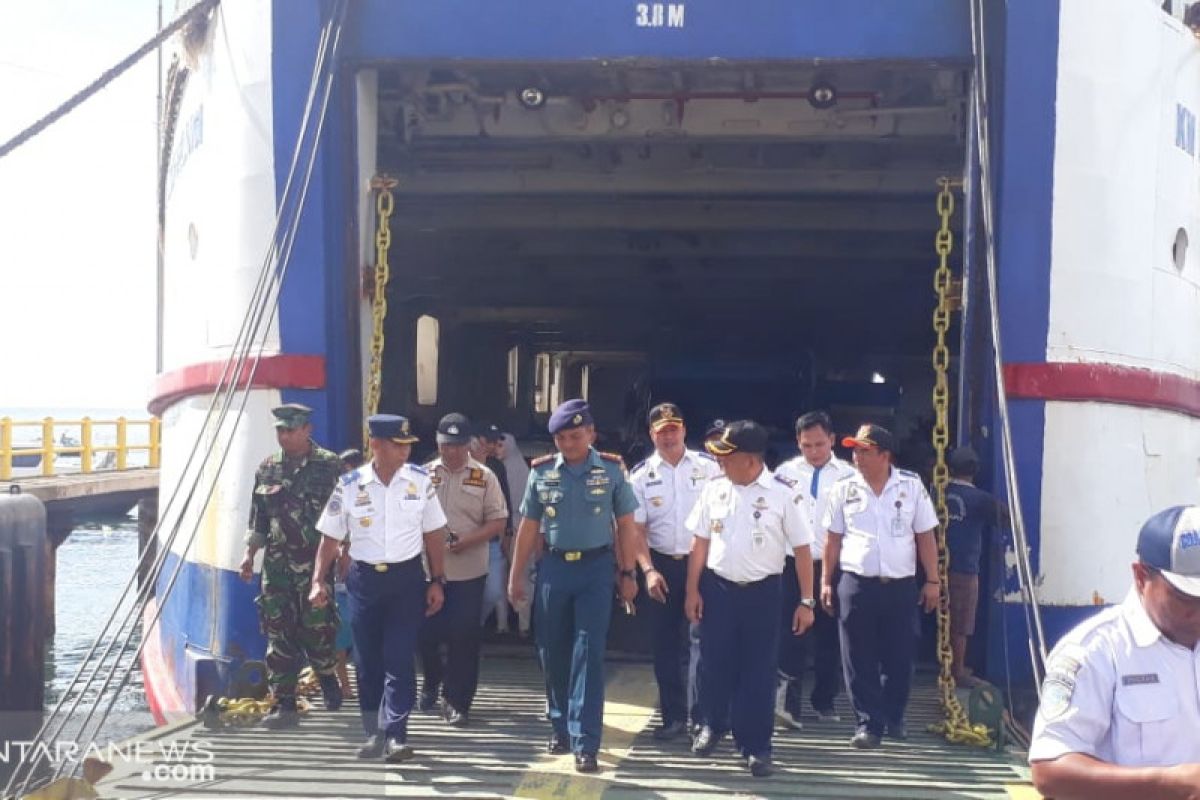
283,715
863,739
559,743
760,766
671,731
427,702
395,751
586,762
331,692
897,731
706,741
373,747
455,718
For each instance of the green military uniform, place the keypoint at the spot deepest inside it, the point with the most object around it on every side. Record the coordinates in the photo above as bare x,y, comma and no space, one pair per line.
289,496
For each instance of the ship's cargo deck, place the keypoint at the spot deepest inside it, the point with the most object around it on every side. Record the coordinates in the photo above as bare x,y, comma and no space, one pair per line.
502,754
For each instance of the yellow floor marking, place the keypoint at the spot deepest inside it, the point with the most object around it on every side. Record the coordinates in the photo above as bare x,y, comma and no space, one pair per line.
630,696
1019,792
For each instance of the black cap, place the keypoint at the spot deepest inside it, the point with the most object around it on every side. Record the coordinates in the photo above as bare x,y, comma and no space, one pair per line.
963,460
870,435
454,429
352,457
743,436
715,428
664,415
490,431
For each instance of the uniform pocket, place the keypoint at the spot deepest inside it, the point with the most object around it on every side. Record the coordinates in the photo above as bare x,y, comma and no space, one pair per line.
1147,719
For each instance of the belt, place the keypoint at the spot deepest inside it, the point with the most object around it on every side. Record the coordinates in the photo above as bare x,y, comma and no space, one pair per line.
671,555
741,584
881,578
384,567
578,555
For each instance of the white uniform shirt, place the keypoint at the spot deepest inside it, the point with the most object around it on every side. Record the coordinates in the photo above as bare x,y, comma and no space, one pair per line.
878,533
666,496
751,529
830,473
385,524
1118,691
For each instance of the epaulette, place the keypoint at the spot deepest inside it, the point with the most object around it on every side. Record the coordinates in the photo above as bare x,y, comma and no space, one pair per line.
786,481
847,476
537,462
908,474
612,457
706,454
638,466
419,470
349,478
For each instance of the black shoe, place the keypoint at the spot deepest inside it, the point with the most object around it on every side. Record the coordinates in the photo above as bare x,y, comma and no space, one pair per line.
454,717
897,731
283,715
373,747
863,739
559,743
706,741
586,762
671,731
331,692
760,766
395,751
427,702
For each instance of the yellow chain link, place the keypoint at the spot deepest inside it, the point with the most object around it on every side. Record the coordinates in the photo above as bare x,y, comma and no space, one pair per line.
384,204
955,726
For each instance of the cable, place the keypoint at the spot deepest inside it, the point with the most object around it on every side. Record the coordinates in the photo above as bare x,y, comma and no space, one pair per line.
107,77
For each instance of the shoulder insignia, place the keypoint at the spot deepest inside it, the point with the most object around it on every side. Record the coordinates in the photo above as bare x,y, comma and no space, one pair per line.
705,454
349,478
540,460
786,481
847,476
616,459
418,470
638,466
908,474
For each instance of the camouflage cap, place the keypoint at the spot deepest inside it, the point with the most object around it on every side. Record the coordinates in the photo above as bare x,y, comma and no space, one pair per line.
291,416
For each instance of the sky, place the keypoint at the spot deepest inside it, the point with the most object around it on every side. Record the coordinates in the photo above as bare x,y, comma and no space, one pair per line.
77,207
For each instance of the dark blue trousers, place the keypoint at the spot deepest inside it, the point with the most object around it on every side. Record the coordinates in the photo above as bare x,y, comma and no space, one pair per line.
879,633
386,610
672,643
457,625
821,640
739,646
573,607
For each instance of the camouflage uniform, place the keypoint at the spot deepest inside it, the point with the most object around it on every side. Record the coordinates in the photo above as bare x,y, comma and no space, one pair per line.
288,500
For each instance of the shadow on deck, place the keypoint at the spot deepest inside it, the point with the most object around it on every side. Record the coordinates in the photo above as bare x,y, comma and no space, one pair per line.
502,754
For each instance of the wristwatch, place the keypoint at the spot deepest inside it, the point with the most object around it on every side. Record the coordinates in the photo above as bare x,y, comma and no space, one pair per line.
809,603
440,580
629,573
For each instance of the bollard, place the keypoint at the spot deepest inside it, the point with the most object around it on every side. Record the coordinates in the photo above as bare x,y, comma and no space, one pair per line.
23,614
147,511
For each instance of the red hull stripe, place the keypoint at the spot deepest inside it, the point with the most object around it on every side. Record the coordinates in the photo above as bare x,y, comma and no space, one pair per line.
274,372
161,694
1104,383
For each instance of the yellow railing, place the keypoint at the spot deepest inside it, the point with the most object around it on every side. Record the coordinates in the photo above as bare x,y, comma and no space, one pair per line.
51,447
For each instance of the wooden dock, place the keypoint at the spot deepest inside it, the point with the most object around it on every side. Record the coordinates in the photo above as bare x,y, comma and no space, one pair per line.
502,754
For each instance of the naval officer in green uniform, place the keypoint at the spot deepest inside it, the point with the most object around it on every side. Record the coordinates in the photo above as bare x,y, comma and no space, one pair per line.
577,494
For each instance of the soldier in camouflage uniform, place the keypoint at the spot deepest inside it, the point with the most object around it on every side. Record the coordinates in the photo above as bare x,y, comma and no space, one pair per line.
291,488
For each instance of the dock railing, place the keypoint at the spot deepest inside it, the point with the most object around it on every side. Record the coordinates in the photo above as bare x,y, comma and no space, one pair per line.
57,441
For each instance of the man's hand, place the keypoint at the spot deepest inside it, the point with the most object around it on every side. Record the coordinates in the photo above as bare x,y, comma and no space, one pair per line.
434,598
693,606
343,567
802,620
246,570
627,588
318,595
1185,777
929,596
656,586
827,600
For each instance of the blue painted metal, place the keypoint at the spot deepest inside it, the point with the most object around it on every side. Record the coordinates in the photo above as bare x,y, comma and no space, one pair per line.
208,626
568,30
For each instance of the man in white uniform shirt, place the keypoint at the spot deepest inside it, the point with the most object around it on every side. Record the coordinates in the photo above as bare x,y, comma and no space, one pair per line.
1120,706
745,524
815,471
666,486
389,509
880,521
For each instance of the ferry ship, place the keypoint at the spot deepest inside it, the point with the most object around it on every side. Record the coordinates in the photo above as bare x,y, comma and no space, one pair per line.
733,206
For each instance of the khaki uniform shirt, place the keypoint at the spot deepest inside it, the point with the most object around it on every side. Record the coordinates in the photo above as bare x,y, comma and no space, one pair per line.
470,497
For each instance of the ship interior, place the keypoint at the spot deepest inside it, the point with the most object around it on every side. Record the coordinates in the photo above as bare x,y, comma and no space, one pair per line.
747,242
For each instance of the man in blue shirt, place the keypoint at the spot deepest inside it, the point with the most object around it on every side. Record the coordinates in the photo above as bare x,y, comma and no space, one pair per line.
973,514
576,495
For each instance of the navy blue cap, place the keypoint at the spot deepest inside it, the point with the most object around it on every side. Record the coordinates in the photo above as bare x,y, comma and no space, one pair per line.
391,426
454,429
490,431
963,460
1170,542
743,436
352,458
715,428
664,415
571,414
870,435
